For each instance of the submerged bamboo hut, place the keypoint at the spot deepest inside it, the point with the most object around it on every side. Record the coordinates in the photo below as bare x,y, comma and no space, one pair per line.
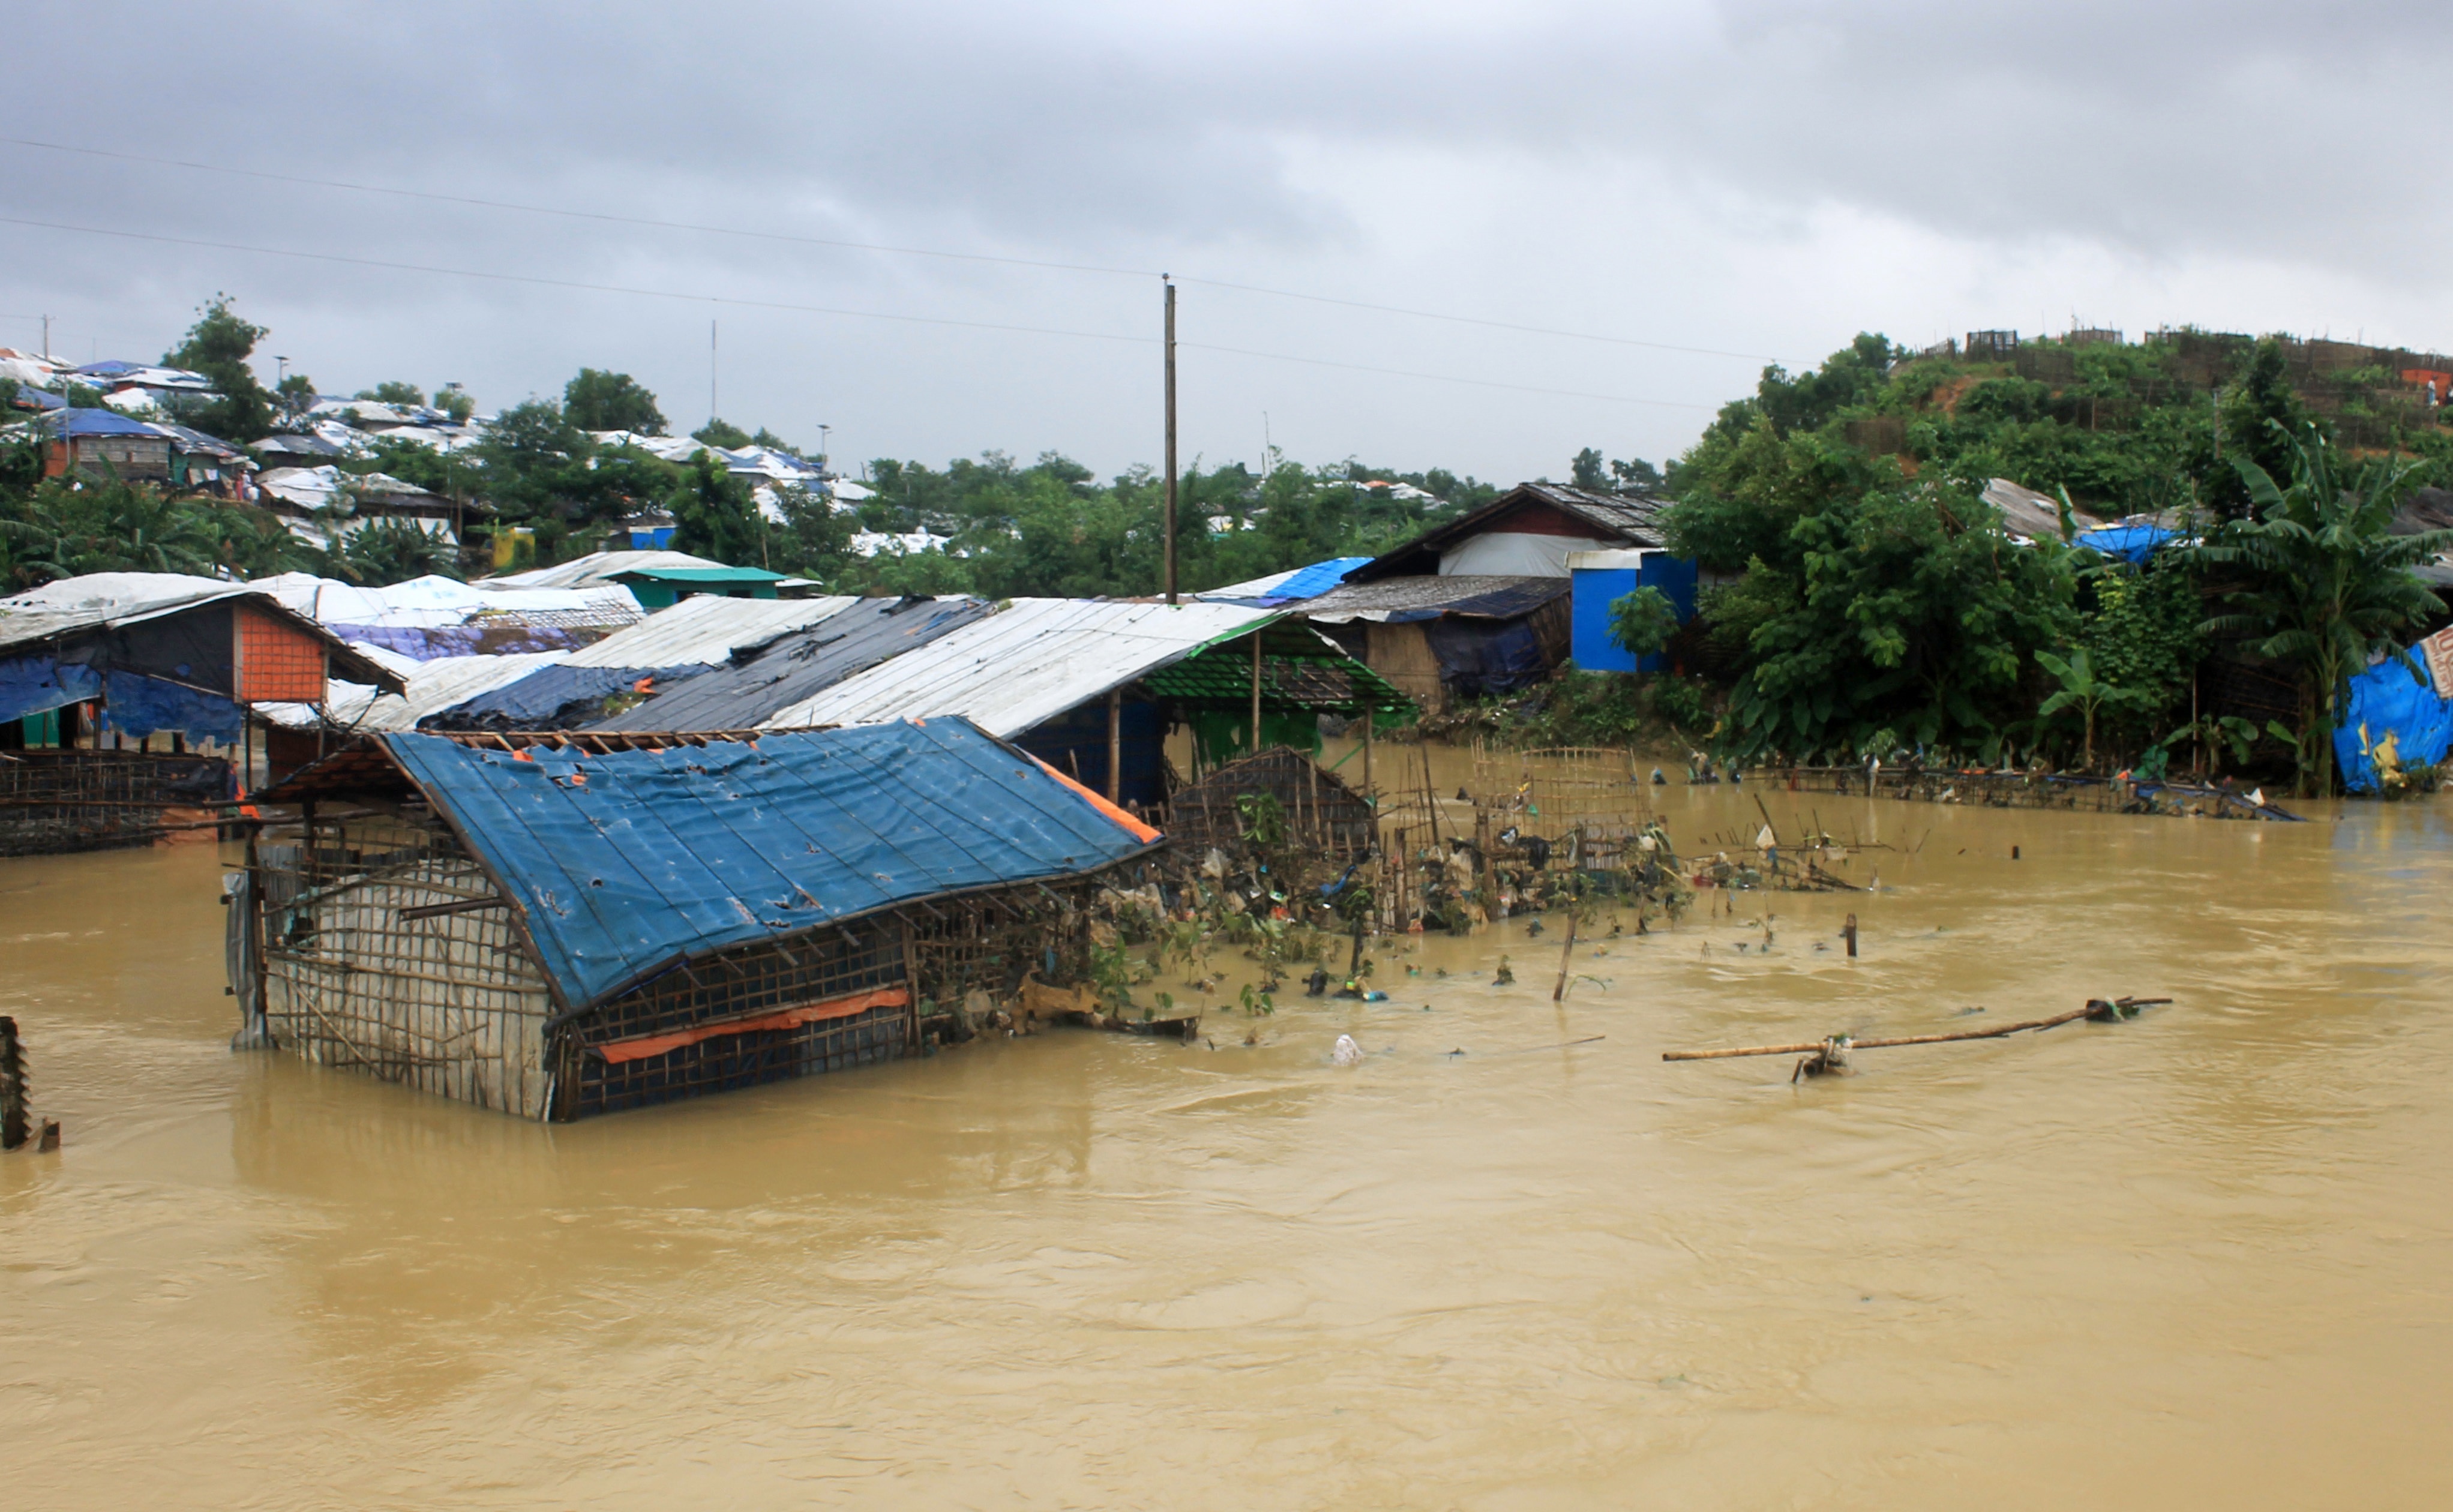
557,926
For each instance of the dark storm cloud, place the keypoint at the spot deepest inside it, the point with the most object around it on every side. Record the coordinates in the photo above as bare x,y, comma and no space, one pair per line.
1275,144
2162,128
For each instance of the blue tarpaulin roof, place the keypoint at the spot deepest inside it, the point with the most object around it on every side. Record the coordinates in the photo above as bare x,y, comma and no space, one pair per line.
96,423
626,862
2134,543
1317,579
2391,699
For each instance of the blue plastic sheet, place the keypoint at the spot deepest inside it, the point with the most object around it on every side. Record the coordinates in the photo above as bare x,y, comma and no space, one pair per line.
427,642
137,706
2131,542
1480,657
2390,698
538,700
34,684
1315,580
624,864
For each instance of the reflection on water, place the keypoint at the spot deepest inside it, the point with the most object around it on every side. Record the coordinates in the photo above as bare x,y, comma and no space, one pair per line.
2194,1259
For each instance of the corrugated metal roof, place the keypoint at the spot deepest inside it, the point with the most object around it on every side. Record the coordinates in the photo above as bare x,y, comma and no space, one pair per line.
1026,664
1634,519
706,629
1399,600
623,864
799,665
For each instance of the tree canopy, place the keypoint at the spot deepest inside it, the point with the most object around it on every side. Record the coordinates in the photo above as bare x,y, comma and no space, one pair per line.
218,345
611,401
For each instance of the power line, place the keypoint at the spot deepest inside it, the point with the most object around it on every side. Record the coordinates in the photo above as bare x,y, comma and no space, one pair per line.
805,310
581,215
1444,378
651,222
1475,320
567,283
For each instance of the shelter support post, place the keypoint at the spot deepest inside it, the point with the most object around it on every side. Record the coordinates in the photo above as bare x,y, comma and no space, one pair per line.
1115,744
1370,794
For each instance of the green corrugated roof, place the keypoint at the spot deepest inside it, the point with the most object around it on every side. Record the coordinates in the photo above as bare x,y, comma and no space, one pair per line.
1294,676
728,574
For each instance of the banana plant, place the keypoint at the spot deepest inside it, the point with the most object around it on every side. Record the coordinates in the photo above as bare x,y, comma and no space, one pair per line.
2082,690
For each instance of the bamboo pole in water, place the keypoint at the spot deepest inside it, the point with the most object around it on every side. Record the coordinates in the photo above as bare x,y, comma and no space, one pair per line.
1994,1033
1566,958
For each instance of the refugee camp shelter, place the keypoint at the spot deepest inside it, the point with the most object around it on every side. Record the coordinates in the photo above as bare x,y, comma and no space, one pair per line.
104,444
1441,638
1092,685
1529,532
1481,605
501,684
90,665
556,927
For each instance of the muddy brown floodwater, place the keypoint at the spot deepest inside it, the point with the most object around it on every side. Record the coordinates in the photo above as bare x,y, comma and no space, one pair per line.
2198,1260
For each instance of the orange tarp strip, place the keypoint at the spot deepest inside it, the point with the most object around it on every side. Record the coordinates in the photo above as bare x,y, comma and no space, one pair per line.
647,1044
1132,826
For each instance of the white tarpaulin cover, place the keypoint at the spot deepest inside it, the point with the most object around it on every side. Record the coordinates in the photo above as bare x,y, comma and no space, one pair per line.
1514,554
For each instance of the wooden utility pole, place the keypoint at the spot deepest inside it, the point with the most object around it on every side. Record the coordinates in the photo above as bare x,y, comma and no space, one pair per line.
1256,692
1171,455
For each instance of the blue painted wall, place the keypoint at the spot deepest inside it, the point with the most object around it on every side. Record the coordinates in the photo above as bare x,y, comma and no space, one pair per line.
1597,589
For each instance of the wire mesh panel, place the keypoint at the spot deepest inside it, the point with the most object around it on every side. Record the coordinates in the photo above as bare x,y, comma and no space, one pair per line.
388,950
1581,806
1281,793
778,1009
986,943
53,801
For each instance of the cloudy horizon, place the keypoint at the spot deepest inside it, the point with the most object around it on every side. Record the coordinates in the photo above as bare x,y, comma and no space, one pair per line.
1750,181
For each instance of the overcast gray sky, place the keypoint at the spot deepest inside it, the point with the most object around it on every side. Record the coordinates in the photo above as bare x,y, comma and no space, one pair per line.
1760,178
